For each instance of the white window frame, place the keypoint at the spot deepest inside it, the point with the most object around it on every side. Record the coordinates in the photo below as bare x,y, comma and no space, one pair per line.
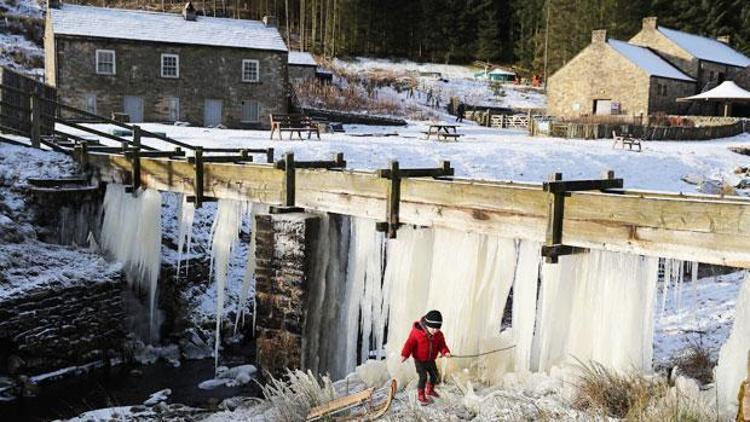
246,62
242,111
177,65
114,62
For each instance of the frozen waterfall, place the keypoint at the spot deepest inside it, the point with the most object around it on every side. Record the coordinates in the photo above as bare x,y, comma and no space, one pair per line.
733,357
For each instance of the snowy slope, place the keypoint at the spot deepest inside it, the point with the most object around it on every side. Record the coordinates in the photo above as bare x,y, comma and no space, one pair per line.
457,81
17,51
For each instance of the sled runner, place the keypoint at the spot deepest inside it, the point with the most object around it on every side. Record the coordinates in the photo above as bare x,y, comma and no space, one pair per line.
371,411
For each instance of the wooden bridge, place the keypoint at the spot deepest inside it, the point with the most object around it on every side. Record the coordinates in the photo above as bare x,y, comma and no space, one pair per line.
563,214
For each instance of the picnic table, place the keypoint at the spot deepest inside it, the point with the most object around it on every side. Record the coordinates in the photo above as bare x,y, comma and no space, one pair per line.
293,123
443,132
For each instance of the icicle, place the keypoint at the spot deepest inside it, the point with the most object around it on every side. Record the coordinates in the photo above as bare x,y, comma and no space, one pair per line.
597,306
734,354
694,287
186,215
666,277
524,301
131,233
224,236
249,275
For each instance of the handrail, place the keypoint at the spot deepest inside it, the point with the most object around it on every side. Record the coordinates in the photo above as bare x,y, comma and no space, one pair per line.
144,133
99,133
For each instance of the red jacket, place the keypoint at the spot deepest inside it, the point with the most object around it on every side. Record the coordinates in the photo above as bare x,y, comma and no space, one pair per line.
423,346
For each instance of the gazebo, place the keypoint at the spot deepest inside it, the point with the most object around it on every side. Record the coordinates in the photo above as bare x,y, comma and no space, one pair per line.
726,93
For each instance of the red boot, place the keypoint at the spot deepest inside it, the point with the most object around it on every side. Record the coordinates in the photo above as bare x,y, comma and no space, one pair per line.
421,398
430,391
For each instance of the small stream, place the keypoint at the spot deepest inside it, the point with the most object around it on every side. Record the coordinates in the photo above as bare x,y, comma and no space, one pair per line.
127,384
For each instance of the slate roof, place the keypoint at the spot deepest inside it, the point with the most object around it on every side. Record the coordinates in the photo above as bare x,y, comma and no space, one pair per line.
138,25
706,48
300,58
649,61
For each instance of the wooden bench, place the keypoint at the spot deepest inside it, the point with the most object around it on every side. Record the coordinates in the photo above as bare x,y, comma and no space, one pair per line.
293,123
626,140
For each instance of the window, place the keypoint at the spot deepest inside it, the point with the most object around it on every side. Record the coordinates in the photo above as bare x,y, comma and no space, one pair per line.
170,66
174,109
664,90
250,71
250,111
89,103
105,62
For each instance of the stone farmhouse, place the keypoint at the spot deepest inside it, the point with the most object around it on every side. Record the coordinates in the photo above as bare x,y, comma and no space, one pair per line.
643,76
163,67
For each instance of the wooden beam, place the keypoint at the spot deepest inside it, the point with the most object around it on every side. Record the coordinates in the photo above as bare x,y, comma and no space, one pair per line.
702,228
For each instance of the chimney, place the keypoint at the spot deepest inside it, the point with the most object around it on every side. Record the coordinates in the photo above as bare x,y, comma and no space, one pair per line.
649,22
189,12
726,39
269,21
599,36
53,4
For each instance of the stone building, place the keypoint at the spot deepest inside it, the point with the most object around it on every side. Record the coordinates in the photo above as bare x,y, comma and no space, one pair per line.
615,77
708,61
163,67
302,66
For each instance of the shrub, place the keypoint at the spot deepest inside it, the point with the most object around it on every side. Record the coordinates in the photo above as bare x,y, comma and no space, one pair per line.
292,398
696,362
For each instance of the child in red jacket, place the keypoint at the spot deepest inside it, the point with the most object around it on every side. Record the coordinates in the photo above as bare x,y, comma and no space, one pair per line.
424,343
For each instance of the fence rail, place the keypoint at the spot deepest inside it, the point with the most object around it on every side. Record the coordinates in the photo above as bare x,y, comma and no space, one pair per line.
649,133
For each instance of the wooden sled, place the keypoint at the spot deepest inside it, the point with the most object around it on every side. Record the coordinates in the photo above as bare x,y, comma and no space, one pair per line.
370,413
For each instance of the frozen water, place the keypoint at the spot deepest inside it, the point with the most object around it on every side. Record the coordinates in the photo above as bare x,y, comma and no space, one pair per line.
734,354
186,215
597,306
249,276
524,302
224,237
131,233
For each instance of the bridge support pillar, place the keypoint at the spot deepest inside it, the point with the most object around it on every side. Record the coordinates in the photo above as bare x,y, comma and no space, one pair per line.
284,258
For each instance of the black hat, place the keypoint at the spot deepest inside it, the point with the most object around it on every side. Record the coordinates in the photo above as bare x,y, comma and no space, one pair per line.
433,319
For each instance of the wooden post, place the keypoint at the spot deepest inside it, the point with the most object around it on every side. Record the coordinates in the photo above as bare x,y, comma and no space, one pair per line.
198,177
36,121
555,217
136,159
84,155
289,179
394,200
269,155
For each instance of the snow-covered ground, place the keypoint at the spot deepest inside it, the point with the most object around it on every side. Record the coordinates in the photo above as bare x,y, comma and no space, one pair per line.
486,153
16,50
456,81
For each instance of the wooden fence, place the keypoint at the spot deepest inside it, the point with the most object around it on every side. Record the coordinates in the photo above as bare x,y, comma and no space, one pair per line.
500,120
17,97
649,133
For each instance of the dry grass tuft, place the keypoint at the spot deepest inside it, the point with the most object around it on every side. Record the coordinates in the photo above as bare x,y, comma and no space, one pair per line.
617,395
696,362
291,398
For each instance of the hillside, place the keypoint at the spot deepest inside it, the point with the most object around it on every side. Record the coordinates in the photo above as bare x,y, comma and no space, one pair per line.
21,35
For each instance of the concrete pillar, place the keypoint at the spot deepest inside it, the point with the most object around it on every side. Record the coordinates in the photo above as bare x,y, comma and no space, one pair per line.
284,252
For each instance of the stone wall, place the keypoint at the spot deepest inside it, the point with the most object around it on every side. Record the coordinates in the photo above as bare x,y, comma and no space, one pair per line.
301,73
55,327
597,72
284,248
668,103
205,73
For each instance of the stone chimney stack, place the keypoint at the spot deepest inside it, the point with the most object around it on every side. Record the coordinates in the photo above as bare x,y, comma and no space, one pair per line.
599,36
726,39
649,22
269,21
189,12
53,4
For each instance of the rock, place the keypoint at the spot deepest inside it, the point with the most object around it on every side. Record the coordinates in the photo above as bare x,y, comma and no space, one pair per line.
158,397
136,373
15,364
194,347
692,179
716,187
743,184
